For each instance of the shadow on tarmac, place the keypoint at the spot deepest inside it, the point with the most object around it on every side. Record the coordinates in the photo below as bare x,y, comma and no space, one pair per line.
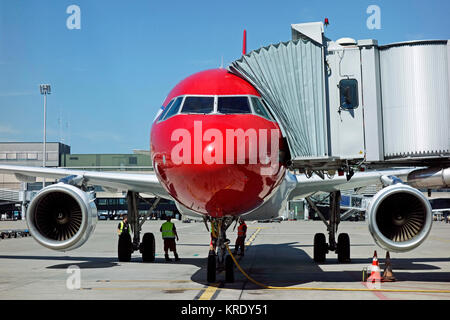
280,265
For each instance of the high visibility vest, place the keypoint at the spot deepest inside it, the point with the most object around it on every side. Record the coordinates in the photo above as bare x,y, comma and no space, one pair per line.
167,230
121,227
242,230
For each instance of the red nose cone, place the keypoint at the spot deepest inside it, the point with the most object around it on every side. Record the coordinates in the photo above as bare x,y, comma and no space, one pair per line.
206,174
219,188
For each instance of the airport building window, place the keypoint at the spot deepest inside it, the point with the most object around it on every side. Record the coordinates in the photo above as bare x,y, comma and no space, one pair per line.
132,160
173,109
231,105
198,105
259,109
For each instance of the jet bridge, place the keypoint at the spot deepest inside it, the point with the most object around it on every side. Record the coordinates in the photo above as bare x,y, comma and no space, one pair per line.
353,104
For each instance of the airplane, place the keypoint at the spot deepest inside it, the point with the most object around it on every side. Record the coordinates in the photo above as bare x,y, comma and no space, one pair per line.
218,152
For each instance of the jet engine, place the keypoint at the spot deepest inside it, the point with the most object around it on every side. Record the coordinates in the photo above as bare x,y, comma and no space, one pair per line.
400,218
61,217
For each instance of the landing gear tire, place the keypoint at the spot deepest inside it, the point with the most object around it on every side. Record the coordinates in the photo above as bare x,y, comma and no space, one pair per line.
320,247
343,248
125,248
229,269
148,247
211,269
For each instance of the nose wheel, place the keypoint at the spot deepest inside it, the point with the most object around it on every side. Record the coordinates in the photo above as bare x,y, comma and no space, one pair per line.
221,261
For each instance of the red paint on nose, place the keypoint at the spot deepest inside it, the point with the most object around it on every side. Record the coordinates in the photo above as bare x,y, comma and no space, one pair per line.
214,189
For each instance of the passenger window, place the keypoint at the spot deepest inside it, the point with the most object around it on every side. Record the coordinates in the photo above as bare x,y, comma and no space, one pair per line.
229,105
198,105
259,109
174,108
161,116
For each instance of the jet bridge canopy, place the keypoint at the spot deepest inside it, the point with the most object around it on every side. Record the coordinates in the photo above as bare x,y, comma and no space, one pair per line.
352,103
290,78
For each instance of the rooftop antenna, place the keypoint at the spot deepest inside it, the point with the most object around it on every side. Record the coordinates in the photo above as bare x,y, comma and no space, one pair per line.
244,43
221,63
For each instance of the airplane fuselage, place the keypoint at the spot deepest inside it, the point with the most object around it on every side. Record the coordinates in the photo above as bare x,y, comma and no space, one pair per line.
217,151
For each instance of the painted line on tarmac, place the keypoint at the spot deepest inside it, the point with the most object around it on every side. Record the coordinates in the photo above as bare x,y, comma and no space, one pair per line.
253,236
210,292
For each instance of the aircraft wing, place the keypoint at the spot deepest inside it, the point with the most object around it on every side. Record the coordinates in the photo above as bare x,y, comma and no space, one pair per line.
145,183
306,186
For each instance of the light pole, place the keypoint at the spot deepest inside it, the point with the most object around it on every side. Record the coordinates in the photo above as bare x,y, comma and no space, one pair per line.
45,89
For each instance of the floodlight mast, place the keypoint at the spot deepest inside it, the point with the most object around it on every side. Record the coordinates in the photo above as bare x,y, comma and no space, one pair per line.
45,89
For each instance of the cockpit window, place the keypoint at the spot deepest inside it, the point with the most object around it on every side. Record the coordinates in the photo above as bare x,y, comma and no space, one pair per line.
229,105
173,109
259,109
198,105
161,116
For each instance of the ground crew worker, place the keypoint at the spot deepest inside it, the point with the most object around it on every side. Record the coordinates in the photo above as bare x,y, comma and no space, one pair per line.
169,233
240,241
124,225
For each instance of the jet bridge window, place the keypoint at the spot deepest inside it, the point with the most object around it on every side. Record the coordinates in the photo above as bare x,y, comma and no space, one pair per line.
232,105
198,105
348,92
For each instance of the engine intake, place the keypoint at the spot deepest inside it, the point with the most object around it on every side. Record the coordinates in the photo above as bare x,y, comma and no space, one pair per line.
400,218
61,217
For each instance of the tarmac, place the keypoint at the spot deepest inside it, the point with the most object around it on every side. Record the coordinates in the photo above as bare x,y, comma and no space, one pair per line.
277,255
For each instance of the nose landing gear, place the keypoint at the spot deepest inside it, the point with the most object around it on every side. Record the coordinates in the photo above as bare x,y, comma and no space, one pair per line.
220,261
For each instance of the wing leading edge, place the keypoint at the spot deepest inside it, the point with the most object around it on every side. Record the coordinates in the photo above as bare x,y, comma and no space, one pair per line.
145,183
306,186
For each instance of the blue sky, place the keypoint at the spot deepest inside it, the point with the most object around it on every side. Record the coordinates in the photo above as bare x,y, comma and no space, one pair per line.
110,77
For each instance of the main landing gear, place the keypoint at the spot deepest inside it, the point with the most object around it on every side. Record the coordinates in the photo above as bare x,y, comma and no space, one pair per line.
220,261
126,245
321,247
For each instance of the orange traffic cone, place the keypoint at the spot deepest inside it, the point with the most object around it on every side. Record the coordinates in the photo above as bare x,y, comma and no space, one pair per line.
375,275
388,276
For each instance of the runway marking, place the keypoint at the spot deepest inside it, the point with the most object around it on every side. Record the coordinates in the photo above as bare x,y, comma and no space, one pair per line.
253,236
209,292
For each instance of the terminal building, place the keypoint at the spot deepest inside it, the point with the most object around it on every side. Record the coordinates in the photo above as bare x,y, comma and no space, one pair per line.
15,195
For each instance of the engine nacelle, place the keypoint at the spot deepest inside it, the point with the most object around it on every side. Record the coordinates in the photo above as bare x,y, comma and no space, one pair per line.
61,217
400,218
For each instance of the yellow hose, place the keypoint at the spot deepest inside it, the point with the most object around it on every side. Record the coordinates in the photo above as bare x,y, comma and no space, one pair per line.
326,289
